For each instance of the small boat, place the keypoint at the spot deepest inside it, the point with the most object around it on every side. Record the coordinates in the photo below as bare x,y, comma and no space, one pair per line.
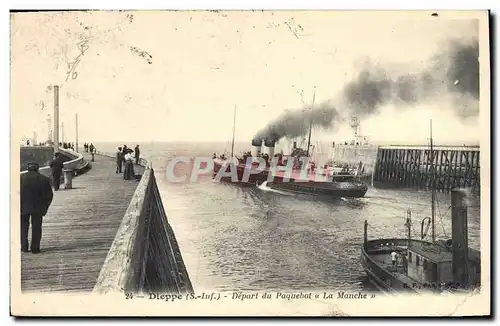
329,189
419,266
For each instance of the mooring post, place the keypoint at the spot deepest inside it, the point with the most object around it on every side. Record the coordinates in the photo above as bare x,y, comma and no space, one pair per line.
366,233
478,169
68,178
459,236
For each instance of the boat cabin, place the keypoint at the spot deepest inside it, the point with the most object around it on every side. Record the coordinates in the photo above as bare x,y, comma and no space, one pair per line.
432,264
429,263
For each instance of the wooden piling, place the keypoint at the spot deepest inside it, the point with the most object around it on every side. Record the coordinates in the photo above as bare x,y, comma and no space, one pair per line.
409,166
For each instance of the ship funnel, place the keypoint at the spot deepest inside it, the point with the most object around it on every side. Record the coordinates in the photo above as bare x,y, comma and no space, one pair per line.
294,145
256,148
268,148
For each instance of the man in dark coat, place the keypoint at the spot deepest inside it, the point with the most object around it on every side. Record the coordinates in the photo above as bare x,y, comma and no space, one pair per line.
92,151
56,167
36,197
119,160
137,153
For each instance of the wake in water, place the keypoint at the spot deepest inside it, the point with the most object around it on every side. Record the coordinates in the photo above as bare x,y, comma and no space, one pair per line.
349,202
264,187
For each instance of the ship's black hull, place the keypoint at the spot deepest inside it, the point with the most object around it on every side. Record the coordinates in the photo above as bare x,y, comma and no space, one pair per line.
341,187
242,177
327,189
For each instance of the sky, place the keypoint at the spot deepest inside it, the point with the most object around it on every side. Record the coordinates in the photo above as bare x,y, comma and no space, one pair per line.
204,64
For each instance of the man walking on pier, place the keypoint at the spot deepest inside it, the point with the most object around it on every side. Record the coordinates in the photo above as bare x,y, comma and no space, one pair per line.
56,167
119,160
36,197
92,151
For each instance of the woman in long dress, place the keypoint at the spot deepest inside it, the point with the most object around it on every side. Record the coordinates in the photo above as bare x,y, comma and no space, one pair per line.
128,173
132,159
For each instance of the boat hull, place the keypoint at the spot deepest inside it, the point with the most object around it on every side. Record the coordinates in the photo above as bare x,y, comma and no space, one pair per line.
328,189
379,274
341,187
252,178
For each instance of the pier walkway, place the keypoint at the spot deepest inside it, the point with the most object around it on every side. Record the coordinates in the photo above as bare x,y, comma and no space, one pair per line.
79,229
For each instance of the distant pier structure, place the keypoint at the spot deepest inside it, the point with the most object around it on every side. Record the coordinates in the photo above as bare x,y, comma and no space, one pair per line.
409,166
355,150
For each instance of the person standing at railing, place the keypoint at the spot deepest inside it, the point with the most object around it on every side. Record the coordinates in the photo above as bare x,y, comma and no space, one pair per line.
36,197
137,153
56,167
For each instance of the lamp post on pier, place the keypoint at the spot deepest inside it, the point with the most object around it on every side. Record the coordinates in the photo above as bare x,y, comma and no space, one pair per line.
76,136
56,117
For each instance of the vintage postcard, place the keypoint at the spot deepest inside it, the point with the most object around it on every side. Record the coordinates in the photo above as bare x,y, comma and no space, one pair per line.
250,163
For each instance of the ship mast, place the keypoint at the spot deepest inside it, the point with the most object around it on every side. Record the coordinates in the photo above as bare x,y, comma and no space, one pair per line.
433,185
234,129
310,122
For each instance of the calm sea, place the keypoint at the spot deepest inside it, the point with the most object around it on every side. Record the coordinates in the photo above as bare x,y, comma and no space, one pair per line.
247,238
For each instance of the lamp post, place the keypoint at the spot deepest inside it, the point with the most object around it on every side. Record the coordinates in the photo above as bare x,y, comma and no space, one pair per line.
56,118
76,136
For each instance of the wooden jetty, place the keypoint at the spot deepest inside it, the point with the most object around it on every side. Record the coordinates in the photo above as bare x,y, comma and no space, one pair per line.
78,230
408,166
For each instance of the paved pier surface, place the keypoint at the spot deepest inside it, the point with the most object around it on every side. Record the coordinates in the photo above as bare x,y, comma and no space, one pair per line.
78,230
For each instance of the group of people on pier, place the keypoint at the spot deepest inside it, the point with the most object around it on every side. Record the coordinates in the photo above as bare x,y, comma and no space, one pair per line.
66,145
125,158
36,191
89,148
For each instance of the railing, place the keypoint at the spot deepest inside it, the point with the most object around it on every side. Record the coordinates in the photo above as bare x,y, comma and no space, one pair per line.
75,163
144,255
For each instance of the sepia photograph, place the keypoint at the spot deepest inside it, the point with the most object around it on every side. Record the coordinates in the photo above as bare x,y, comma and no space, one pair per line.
250,163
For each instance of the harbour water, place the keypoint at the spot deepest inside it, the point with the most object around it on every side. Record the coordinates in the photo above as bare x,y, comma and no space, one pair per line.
245,238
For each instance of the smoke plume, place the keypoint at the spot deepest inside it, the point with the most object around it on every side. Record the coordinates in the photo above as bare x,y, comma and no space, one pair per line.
450,77
453,72
295,123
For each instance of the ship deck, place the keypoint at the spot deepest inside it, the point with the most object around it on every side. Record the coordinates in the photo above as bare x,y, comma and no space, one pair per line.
299,175
384,260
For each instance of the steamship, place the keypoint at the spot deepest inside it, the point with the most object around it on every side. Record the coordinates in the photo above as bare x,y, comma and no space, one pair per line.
300,179
425,266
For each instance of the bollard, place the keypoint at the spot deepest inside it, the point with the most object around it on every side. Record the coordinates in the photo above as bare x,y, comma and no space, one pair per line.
68,178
